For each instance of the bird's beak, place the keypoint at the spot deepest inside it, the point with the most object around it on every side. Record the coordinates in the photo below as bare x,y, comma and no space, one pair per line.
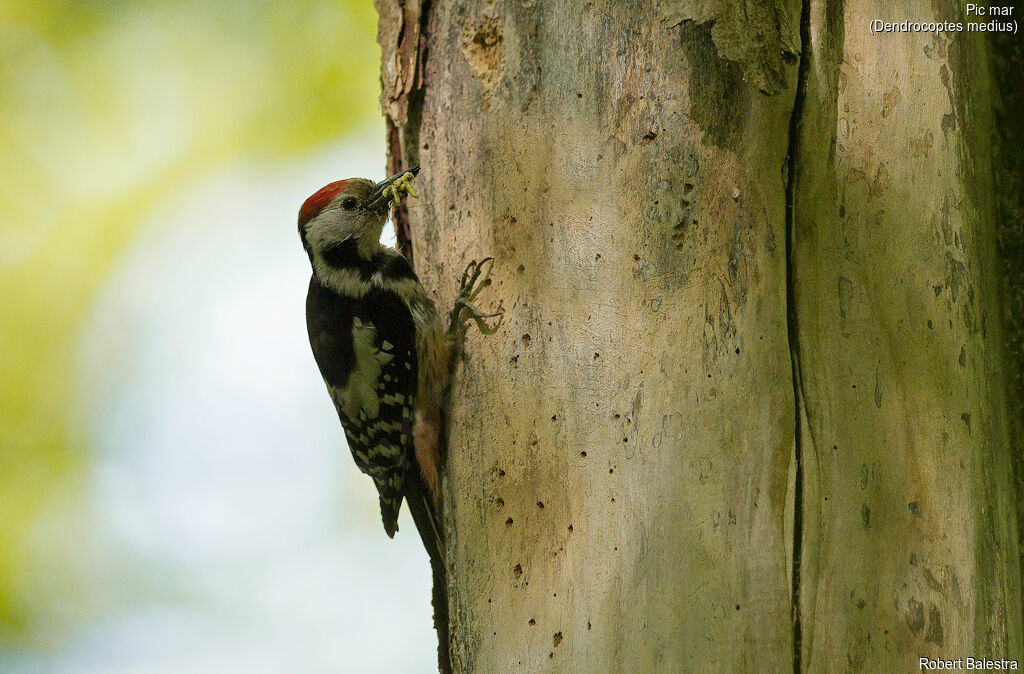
379,197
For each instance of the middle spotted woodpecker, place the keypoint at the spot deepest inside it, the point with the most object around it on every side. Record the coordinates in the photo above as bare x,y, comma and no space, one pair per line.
378,341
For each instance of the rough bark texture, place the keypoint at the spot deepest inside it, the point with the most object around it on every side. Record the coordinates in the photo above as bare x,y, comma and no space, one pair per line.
751,307
910,541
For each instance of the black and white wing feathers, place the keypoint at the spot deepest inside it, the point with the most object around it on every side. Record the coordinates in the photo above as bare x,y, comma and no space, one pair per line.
365,348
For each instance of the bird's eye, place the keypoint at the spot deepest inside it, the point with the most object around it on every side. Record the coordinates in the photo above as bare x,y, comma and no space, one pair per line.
348,203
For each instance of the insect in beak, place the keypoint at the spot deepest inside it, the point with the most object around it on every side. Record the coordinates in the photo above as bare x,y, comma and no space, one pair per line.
388,189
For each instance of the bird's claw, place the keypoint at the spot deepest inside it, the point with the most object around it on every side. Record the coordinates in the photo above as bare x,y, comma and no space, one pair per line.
480,317
469,289
471,285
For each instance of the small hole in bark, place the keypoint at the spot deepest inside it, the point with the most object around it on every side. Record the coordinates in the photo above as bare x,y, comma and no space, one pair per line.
525,339
508,522
540,504
532,622
517,570
500,502
501,473
636,258
583,454
737,352
522,268
554,417
687,188
570,527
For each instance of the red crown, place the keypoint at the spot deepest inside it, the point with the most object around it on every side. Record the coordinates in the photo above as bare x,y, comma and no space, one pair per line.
316,203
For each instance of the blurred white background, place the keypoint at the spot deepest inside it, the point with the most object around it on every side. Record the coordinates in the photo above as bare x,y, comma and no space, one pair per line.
221,525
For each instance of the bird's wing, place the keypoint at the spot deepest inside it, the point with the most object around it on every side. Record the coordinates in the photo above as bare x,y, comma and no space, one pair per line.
366,350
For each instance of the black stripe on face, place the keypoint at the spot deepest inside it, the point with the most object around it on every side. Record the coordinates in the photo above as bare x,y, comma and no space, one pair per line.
394,267
345,255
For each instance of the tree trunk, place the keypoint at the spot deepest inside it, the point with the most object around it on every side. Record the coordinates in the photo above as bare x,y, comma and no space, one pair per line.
750,309
910,540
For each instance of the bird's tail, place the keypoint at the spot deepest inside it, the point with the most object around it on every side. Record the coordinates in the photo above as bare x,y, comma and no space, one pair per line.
390,488
389,508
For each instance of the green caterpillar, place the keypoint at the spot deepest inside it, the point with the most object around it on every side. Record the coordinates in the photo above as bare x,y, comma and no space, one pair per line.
401,184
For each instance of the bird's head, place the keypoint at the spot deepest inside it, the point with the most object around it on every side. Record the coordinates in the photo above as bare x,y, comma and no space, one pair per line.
347,210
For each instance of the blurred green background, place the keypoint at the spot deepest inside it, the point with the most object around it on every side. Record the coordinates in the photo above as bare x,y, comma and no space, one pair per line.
175,493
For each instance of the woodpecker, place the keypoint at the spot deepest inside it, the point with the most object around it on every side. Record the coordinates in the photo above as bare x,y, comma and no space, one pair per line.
380,346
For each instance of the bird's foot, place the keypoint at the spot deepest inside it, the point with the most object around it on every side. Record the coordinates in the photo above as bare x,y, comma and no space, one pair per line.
474,279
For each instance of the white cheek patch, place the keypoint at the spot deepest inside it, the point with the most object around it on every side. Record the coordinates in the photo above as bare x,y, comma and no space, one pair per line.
327,226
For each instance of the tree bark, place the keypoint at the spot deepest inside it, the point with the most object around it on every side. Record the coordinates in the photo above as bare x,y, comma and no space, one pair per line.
1008,160
746,411
910,540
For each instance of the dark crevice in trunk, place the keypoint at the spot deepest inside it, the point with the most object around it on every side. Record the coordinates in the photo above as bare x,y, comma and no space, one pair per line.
400,216
790,174
1007,52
